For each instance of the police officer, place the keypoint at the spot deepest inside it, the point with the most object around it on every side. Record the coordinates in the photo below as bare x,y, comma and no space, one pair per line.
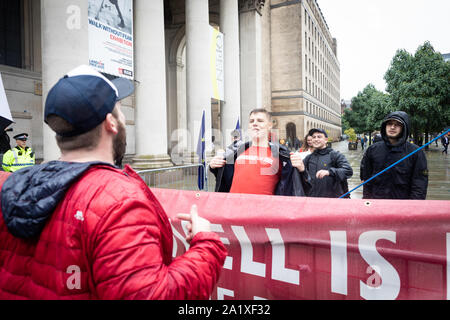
19,157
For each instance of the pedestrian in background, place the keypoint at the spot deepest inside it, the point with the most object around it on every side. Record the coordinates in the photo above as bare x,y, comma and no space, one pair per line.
82,228
409,178
363,142
307,147
377,138
293,144
445,142
236,140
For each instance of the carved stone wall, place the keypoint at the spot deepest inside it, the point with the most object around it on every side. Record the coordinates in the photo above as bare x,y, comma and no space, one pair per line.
249,5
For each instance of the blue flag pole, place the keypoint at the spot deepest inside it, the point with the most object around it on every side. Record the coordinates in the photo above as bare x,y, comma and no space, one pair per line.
238,127
201,155
393,165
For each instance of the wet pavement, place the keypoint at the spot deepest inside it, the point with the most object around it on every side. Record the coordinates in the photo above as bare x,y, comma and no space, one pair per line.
438,167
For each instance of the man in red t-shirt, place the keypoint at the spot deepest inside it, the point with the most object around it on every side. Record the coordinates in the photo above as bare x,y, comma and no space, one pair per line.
259,166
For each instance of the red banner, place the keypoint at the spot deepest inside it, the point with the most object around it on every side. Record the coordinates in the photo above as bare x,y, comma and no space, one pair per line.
312,248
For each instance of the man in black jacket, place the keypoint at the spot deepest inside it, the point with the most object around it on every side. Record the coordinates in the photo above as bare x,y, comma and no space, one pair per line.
409,178
445,141
260,167
329,169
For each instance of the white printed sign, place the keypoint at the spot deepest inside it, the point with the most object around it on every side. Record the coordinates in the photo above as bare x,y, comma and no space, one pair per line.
111,42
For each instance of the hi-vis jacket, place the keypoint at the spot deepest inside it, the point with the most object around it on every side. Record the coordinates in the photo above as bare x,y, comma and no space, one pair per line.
18,158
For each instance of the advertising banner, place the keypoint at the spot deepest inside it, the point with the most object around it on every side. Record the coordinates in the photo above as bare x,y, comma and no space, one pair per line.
111,37
217,64
310,248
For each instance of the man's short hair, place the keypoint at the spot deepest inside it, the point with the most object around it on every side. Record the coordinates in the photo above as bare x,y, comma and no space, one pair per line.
86,141
235,134
262,110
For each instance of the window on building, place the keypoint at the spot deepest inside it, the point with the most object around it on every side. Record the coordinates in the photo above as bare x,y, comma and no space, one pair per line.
10,33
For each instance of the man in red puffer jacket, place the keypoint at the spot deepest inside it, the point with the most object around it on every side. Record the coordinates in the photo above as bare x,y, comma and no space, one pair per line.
81,228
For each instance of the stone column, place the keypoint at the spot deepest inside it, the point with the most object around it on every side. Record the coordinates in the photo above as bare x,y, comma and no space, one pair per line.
65,45
151,103
251,57
198,83
231,109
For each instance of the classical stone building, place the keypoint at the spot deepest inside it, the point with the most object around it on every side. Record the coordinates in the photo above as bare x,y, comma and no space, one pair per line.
278,55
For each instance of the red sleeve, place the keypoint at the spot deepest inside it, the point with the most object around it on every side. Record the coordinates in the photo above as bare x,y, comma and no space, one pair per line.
127,258
3,177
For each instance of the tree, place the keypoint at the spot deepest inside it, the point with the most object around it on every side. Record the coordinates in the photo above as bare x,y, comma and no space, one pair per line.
351,134
369,108
420,86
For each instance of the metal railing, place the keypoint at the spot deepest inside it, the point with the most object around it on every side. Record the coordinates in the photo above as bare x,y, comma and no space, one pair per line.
178,178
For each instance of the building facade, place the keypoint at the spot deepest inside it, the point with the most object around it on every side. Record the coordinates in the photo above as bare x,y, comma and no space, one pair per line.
278,55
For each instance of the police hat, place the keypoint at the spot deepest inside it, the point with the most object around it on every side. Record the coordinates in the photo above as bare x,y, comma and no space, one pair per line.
22,136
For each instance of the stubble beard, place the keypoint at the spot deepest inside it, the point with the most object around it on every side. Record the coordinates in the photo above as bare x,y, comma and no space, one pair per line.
120,145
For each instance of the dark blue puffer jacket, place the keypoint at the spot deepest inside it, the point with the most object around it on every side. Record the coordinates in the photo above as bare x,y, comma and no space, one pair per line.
30,195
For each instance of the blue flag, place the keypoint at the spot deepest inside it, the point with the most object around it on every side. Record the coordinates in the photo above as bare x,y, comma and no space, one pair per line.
238,128
201,155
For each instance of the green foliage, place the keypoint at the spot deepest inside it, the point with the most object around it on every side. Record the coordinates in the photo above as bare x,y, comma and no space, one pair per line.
420,85
351,134
345,124
369,108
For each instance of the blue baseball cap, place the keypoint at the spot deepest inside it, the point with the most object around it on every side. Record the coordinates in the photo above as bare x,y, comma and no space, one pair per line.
84,97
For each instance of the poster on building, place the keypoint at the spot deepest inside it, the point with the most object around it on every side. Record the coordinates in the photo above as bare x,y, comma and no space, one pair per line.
111,37
217,64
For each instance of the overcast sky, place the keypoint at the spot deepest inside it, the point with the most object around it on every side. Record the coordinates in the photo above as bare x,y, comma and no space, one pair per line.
369,33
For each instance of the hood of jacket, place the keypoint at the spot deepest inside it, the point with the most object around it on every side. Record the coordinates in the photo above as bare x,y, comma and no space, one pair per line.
404,119
30,195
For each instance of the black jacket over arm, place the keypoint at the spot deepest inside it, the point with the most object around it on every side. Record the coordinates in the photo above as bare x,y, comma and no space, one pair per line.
331,186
